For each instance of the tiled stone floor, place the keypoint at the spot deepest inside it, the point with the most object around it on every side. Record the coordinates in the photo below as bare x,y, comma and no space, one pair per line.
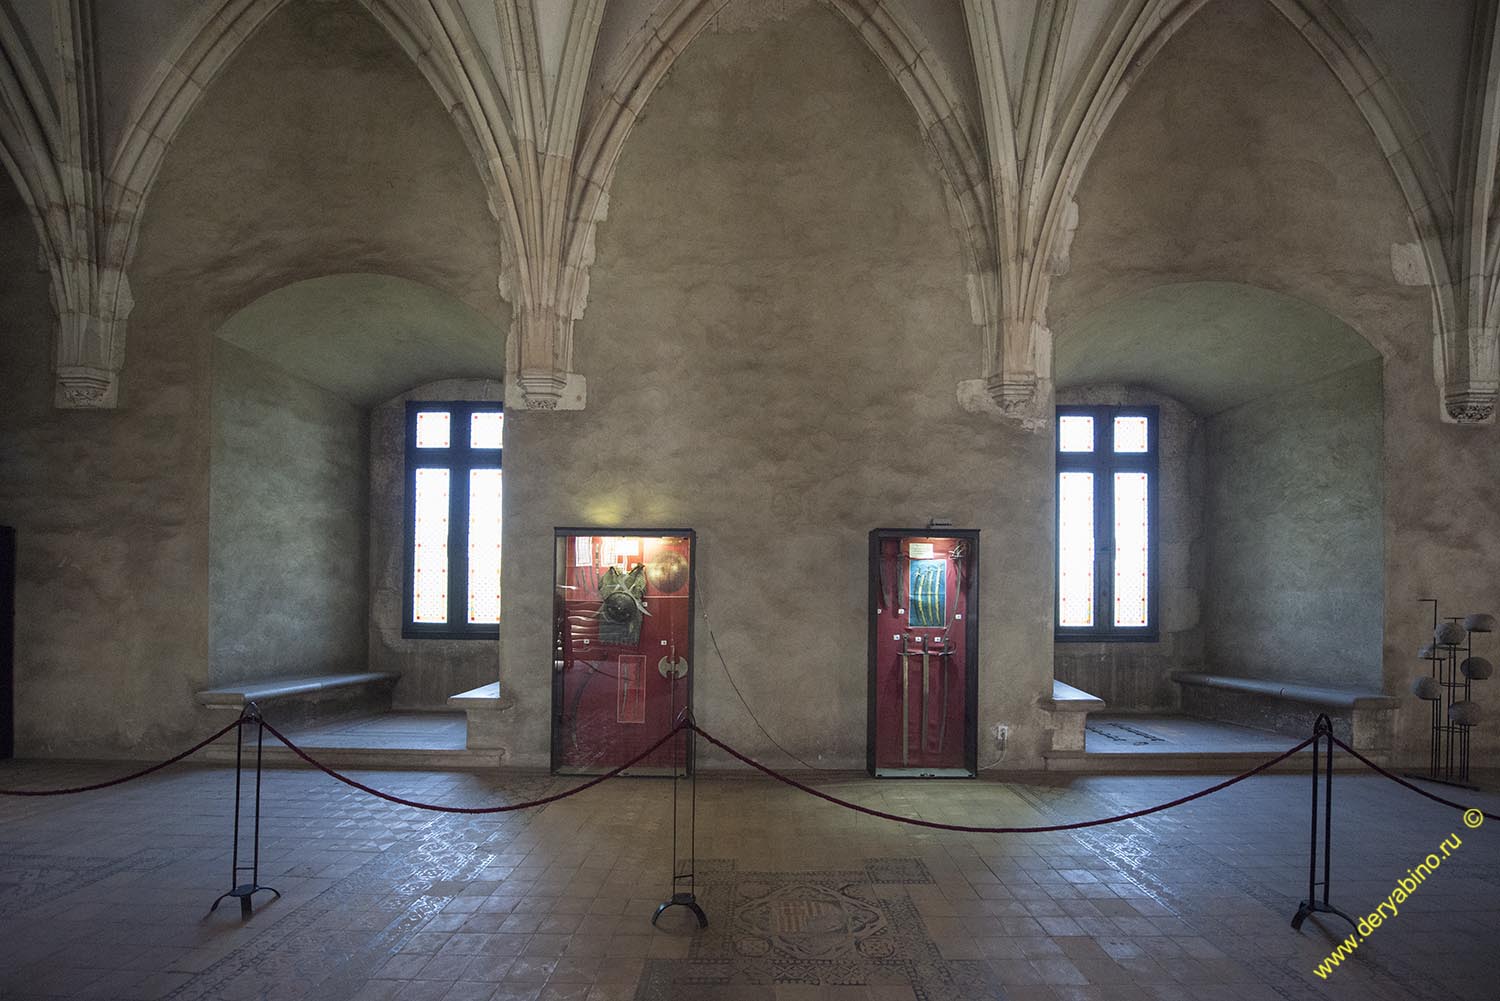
421,730
104,895
1129,733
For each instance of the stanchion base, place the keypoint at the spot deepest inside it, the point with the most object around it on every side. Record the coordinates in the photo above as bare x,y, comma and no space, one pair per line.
683,900
244,892
1446,782
1308,908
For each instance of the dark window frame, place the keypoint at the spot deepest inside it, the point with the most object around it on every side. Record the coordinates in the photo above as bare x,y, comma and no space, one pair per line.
458,458
1104,462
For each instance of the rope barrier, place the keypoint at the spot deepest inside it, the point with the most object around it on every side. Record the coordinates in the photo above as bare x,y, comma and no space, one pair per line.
133,775
1400,781
436,808
971,829
681,725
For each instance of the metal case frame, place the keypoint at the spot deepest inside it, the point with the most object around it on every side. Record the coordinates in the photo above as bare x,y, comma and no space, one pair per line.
560,533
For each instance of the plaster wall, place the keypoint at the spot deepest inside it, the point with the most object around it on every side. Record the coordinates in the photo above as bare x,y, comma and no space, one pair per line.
777,323
431,669
1295,534
1136,676
1239,158
288,525
111,513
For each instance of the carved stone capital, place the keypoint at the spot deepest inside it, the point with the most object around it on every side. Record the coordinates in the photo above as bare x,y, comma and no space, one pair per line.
90,340
1012,393
82,387
545,389
1020,401
1470,406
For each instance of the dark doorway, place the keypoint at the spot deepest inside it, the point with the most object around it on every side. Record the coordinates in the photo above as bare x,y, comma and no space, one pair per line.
7,639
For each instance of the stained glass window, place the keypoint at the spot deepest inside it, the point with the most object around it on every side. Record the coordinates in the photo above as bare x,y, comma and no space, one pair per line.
484,545
453,520
486,429
432,429
1075,434
1132,555
1106,502
430,547
1131,433
1075,549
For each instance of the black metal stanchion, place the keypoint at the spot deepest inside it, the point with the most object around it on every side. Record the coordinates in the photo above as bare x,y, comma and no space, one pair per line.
685,898
1322,735
244,891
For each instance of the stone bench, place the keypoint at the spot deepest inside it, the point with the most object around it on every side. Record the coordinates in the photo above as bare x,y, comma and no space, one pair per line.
1070,708
486,710
1364,719
310,697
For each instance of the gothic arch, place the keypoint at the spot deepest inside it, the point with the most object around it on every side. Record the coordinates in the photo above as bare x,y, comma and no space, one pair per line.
30,133
207,45
946,124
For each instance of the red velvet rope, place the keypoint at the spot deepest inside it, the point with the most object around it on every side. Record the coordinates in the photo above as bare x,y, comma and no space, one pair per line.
416,804
968,829
133,775
1400,781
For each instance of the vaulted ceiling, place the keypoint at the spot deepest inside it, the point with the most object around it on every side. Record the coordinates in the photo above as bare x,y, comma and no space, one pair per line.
1012,94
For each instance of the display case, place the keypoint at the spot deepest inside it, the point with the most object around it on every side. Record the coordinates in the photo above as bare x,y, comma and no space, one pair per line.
923,651
622,647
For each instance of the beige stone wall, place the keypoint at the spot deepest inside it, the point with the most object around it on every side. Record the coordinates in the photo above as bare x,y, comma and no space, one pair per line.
111,514
1295,534
777,323
288,524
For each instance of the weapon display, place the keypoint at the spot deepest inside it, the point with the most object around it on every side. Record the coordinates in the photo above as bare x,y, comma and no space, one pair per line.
923,614
623,604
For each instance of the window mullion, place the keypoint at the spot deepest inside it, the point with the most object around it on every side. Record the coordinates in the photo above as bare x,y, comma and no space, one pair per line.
458,546
1104,550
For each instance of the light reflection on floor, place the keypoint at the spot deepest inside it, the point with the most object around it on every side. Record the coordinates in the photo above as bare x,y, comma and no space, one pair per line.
103,896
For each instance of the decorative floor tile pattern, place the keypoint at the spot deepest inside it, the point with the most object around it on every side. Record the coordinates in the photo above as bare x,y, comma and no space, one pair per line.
823,930
103,896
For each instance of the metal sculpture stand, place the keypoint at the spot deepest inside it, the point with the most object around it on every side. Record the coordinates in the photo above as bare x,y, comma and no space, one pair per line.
244,891
1448,750
1322,734
684,898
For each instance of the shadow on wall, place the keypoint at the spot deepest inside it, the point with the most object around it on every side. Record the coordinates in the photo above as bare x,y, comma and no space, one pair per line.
1271,518
297,379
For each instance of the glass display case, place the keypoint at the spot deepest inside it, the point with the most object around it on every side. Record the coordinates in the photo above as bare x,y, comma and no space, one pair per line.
923,652
622,647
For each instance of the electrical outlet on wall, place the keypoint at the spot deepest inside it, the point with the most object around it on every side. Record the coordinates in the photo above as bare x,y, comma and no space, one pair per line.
1001,731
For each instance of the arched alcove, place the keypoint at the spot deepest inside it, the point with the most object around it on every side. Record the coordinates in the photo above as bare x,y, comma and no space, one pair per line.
1272,550
296,377
319,149
1238,159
